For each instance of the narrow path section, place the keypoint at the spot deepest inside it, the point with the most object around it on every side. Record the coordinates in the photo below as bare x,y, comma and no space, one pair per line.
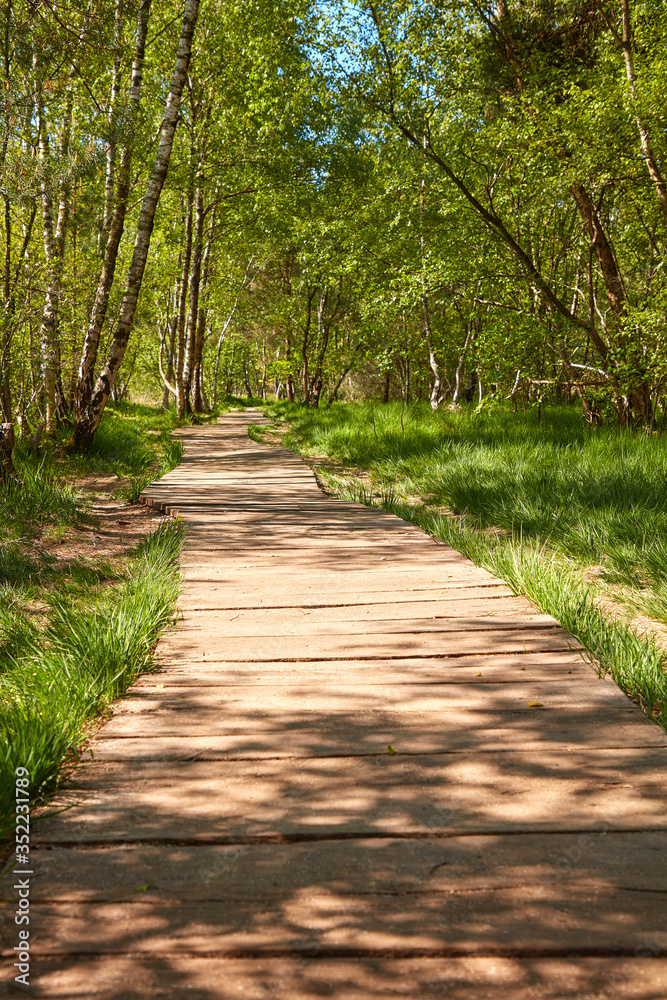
365,771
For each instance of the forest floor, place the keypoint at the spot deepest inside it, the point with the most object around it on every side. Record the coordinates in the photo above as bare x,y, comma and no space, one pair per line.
572,516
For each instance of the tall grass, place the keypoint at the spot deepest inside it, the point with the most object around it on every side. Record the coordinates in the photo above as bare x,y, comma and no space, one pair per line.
37,496
55,682
572,516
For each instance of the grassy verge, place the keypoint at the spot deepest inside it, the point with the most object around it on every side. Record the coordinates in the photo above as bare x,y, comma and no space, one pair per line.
62,677
574,518
78,620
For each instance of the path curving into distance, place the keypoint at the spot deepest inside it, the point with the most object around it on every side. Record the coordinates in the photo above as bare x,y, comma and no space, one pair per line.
242,830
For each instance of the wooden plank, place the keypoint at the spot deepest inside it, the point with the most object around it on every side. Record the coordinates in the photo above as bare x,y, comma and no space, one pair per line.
311,977
418,922
179,647
342,696
314,734
212,596
355,868
175,738
480,669
386,794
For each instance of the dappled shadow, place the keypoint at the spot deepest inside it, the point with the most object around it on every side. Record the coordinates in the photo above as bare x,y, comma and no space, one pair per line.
456,810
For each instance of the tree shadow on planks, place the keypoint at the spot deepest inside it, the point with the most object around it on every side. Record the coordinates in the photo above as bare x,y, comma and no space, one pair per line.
515,874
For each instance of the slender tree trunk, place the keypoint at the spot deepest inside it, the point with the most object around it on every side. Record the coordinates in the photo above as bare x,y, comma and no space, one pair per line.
644,138
461,362
182,307
636,384
199,399
193,310
88,422
324,331
604,253
205,406
169,388
7,437
198,378
230,372
53,244
305,342
436,388
54,239
386,385
48,327
217,368
426,312
86,378
110,178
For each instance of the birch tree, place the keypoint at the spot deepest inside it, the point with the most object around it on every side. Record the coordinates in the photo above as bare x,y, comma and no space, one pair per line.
88,419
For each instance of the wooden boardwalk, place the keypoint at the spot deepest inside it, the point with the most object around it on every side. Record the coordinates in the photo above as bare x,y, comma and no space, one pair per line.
366,771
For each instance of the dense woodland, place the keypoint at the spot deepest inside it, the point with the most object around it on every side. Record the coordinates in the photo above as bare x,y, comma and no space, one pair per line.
454,201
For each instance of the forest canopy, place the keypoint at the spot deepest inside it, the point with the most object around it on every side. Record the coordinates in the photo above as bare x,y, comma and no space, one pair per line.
313,201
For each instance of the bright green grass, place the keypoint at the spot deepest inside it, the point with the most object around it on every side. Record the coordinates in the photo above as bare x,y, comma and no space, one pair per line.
566,502
57,680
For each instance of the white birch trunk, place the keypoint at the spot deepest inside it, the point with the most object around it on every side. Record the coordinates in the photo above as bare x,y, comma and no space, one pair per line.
86,377
88,422
193,310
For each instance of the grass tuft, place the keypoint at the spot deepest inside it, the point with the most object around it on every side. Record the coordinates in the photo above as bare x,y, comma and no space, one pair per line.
37,497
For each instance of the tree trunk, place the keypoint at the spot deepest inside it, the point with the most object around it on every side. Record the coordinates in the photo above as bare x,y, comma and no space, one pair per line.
200,403
182,307
48,329
324,331
426,313
86,378
169,379
198,378
436,388
604,253
644,138
6,426
230,371
635,385
193,310
305,342
88,422
205,406
110,173
462,360
386,386
6,423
